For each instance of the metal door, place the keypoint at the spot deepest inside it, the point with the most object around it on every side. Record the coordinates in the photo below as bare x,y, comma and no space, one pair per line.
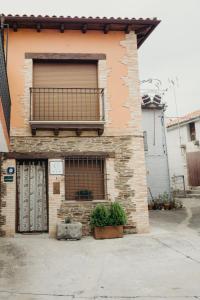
32,196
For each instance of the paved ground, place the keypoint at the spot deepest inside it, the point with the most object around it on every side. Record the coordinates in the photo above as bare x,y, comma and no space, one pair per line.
164,264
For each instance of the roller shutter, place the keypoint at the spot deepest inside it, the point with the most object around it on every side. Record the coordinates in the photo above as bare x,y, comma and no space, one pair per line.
65,75
65,91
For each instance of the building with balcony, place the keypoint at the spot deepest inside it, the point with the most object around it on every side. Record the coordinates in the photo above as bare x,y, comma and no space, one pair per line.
76,130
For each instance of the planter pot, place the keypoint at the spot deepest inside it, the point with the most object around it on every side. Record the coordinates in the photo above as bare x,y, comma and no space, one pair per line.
108,232
71,231
166,206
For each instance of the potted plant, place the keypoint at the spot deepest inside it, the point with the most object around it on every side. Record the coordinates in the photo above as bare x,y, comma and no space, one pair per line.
107,222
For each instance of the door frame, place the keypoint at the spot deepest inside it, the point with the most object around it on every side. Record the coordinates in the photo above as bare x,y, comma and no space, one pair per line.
17,199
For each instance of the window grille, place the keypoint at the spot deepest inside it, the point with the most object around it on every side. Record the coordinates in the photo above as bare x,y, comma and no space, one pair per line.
85,178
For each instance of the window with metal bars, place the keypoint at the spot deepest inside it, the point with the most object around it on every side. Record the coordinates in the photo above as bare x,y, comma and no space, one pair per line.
85,178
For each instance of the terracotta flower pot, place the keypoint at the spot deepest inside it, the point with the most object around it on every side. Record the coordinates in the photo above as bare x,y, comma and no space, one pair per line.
166,206
108,232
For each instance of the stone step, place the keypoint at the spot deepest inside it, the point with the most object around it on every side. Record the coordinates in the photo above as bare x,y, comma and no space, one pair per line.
189,195
195,188
194,192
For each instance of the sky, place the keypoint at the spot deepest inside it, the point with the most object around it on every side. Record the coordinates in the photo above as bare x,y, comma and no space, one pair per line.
171,52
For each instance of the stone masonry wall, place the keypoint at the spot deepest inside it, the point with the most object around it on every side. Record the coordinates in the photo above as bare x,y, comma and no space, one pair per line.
125,172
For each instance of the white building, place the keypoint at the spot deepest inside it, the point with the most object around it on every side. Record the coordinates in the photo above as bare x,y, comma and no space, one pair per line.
183,141
155,147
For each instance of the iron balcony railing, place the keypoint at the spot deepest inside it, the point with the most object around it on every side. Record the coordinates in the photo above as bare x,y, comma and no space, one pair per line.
66,104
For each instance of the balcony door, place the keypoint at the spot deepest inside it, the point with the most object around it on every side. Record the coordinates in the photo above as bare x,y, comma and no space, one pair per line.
65,91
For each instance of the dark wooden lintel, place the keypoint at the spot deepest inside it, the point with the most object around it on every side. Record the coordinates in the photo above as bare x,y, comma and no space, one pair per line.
53,154
67,56
84,28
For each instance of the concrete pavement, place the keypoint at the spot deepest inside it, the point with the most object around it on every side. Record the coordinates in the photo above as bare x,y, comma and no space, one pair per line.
164,264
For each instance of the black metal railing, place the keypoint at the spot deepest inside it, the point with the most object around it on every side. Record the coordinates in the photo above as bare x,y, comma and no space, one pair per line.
4,87
66,104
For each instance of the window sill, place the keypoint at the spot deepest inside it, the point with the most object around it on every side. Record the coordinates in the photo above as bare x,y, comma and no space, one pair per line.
86,201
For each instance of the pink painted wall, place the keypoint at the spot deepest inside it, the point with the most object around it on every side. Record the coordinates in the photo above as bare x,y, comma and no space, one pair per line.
52,41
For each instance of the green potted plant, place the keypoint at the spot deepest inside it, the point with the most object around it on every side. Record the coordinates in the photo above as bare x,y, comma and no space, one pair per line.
107,222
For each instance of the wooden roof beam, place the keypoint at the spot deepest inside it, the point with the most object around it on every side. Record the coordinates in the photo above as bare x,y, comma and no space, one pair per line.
106,28
128,29
38,27
15,27
84,28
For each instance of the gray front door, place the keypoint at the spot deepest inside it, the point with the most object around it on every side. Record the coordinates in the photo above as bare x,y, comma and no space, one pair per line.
32,196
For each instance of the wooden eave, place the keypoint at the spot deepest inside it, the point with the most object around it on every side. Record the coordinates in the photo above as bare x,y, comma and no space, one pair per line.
142,27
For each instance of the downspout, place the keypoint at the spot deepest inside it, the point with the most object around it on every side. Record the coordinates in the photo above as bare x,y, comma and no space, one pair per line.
166,152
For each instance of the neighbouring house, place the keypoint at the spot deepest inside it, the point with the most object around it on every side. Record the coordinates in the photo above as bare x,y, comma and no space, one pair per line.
5,105
183,140
153,122
76,128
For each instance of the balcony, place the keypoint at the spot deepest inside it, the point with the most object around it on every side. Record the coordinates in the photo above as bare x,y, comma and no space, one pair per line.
74,109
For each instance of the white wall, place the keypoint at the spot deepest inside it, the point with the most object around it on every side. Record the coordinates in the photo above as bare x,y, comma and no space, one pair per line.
156,156
176,153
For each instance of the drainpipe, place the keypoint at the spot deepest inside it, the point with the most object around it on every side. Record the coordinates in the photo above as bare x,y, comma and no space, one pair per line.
165,141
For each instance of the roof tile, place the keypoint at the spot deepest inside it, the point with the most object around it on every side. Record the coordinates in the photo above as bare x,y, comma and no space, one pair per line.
185,118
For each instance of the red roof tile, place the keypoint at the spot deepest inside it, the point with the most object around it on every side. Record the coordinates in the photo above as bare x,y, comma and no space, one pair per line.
142,27
183,119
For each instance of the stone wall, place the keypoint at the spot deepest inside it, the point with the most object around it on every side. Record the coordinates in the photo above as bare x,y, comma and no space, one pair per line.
125,176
